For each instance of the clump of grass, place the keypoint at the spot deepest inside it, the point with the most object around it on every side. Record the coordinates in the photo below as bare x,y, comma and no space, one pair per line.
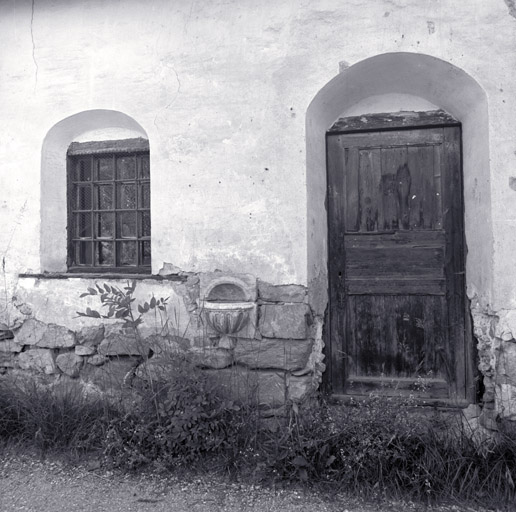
383,446
375,447
52,417
178,418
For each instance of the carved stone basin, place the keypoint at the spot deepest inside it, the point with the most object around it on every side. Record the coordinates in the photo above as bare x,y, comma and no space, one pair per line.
227,319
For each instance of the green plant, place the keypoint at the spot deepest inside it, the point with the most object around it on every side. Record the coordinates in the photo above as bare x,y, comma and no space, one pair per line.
59,416
119,304
387,446
179,418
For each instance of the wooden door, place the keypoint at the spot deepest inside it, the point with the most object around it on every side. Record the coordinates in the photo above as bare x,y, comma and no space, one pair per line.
396,262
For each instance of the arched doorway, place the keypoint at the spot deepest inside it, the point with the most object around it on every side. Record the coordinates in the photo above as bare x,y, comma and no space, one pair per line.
439,83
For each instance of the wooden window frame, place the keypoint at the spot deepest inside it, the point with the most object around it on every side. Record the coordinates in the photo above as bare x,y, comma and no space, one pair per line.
91,152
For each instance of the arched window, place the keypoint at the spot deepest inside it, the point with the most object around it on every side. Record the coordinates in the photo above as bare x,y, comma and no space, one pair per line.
95,195
109,225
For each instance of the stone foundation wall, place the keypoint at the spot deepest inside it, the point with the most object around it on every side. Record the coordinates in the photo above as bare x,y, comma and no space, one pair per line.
276,356
496,344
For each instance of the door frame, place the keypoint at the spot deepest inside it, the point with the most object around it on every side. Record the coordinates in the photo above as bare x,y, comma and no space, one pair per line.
335,375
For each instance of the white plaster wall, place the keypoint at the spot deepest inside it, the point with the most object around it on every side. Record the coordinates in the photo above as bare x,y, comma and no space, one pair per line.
58,301
221,88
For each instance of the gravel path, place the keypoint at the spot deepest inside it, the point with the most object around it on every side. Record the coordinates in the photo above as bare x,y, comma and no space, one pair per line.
31,484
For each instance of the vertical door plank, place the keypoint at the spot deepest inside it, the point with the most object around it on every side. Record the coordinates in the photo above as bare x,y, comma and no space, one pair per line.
454,267
350,348
429,336
336,258
351,172
437,187
426,166
392,159
368,192
422,209
415,196
403,186
376,170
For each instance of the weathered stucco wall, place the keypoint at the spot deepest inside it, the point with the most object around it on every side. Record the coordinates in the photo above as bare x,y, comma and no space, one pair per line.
222,90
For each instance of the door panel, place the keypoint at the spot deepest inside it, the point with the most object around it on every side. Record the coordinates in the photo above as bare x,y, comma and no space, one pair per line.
396,262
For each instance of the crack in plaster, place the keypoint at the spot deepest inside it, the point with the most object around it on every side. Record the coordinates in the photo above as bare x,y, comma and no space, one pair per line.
172,101
33,45
511,4
187,21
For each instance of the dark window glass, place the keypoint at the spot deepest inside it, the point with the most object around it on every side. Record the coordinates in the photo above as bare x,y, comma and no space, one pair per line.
104,168
82,169
104,197
126,168
109,212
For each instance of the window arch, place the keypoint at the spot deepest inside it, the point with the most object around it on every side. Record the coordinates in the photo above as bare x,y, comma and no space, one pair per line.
94,132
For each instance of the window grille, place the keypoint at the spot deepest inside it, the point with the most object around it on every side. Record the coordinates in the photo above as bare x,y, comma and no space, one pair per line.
109,224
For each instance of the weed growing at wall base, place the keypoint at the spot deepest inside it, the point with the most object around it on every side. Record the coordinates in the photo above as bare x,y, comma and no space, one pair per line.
172,414
385,446
177,418
376,447
54,416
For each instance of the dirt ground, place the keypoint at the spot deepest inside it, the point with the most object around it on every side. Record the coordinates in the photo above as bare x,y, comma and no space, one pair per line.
28,483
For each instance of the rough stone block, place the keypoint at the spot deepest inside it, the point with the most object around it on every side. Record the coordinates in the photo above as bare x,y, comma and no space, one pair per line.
38,334
287,321
113,375
7,360
211,357
90,336
273,353
281,293
505,328
167,344
506,401
250,386
38,359
506,366
69,363
84,350
155,369
122,344
299,387
10,346
97,360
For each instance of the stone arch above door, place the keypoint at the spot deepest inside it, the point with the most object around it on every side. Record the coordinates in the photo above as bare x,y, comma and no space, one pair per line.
416,77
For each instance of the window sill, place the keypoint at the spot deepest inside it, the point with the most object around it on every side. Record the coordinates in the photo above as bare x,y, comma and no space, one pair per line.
104,276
